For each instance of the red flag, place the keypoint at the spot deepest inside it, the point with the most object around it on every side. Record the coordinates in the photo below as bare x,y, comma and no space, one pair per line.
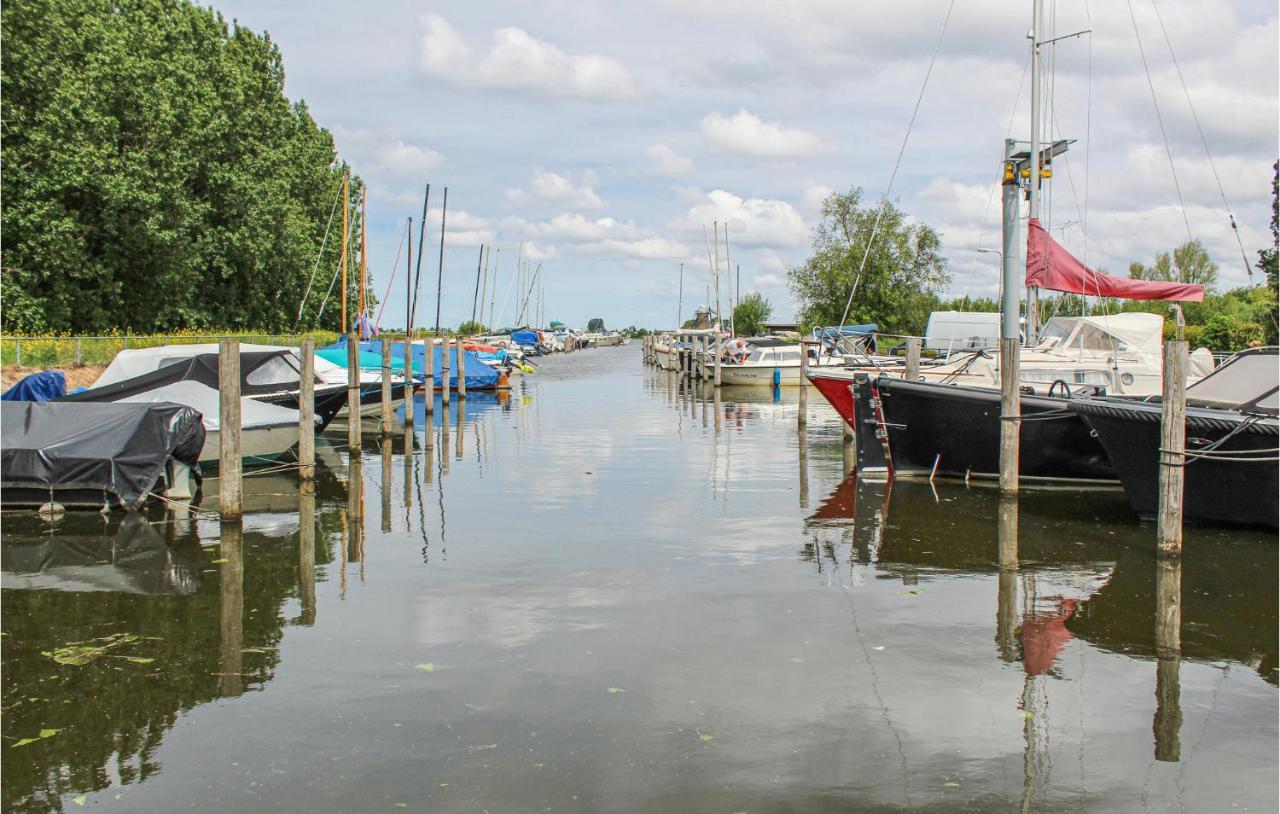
1051,266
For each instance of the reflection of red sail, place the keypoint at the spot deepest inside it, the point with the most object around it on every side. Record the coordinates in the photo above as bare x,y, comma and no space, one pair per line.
1043,638
840,505
1051,266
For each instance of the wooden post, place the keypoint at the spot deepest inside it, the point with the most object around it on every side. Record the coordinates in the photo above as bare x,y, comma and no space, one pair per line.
1010,415
848,452
462,370
229,460
429,364
408,379
912,372
716,348
1173,439
353,391
803,415
445,352
386,386
307,410
1168,718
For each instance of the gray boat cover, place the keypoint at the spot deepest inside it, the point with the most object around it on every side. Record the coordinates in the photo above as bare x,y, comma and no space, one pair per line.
121,449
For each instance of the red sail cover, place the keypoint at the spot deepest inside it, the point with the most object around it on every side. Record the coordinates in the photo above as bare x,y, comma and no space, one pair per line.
1051,266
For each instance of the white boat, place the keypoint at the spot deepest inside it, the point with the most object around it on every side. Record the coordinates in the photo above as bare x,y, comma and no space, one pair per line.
768,362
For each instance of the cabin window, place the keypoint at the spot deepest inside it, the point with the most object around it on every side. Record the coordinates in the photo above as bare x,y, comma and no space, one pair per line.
275,371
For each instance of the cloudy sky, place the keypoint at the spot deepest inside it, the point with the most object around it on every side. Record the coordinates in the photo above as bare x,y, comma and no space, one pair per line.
605,136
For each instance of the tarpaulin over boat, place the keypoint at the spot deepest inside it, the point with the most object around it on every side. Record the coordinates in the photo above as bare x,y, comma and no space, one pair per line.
118,449
478,376
364,359
261,373
43,386
1051,266
525,337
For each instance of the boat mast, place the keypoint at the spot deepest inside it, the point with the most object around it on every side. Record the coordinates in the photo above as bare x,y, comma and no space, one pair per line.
444,211
364,254
346,205
475,295
1037,17
734,294
680,300
408,287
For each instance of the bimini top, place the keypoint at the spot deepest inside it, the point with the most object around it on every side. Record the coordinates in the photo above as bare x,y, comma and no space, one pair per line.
140,361
1133,332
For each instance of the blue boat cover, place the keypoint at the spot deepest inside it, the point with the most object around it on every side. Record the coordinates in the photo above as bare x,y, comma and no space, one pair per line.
366,360
479,376
525,338
43,386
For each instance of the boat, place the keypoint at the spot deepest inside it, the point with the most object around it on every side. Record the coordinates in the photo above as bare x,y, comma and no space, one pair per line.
767,361
90,455
1232,463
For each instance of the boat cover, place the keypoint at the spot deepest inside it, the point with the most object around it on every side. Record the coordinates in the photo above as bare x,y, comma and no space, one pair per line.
525,338
136,361
479,376
261,372
43,386
365,359
207,401
120,449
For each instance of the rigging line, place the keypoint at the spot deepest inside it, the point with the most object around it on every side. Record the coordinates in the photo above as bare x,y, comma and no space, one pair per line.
394,266
316,267
1156,104
1088,122
332,284
1203,141
897,163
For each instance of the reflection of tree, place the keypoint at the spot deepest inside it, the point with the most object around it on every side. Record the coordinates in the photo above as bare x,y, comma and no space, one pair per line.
113,713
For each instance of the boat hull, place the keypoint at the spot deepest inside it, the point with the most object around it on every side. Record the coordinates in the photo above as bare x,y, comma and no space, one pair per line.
1219,492
258,445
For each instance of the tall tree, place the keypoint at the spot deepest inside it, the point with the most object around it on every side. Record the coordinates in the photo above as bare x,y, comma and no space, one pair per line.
156,175
897,287
751,313
1189,263
595,325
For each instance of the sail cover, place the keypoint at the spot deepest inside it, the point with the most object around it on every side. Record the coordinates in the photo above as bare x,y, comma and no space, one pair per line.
1051,266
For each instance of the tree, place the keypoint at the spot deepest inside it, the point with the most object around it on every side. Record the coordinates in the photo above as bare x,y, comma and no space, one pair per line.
1189,263
156,177
470,328
595,325
896,289
750,314
1267,258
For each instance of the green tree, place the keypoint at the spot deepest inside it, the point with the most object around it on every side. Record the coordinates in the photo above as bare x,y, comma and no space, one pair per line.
470,328
1189,263
750,314
896,289
1268,257
595,325
156,175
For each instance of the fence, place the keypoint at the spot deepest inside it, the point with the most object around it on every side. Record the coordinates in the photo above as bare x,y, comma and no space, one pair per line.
68,351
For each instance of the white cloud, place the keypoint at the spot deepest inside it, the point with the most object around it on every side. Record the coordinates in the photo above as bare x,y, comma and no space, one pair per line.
603,236
537,253
409,159
668,162
461,227
559,190
766,281
814,195
748,134
752,221
519,62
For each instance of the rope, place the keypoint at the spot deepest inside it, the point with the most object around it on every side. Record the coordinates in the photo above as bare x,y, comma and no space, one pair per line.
1204,142
319,254
897,163
1156,104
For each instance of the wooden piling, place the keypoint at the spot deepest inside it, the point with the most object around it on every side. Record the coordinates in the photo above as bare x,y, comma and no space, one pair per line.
803,414
912,373
429,364
1173,439
716,347
229,461
1010,415
408,379
848,452
386,387
444,371
307,410
353,390
462,370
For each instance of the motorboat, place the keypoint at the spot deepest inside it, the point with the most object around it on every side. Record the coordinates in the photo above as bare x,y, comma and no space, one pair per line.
770,361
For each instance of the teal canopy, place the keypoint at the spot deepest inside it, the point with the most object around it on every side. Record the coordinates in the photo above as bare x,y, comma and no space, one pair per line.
367,360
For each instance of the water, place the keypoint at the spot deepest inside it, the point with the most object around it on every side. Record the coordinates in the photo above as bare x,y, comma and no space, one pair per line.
586,598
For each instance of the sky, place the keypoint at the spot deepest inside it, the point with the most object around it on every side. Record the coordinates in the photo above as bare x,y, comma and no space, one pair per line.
605,138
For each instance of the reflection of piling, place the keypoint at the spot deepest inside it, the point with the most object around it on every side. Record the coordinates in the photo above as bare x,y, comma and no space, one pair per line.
307,411
444,372
803,450
229,461
458,449
912,371
353,390
1168,718
408,471
386,484
1173,438
718,411
231,610
355,506
429,366
848,452
444,439
803,415
386,387
1007,580
462,370
307,552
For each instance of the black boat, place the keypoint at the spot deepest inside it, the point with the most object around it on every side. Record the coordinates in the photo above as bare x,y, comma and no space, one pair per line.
1233,437
954,431
268,376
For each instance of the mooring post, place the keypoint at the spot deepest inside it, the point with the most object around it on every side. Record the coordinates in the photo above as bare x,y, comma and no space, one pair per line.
1010,415
716,346
462,370
445,350
229,461
307,410
1168,718
913,359
429,363
386,387
848,453
803,415
408,379
353,391
1173,439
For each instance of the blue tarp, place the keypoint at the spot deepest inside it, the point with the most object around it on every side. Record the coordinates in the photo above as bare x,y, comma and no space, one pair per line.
43,386
367,361
479,376
525,338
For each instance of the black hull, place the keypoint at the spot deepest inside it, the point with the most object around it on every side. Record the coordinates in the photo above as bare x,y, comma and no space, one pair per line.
1236,492
957,429
868,436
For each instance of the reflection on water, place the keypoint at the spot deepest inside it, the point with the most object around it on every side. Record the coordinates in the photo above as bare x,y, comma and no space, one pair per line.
616,590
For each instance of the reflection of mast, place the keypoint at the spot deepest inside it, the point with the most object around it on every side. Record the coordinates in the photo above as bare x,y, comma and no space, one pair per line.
1168,718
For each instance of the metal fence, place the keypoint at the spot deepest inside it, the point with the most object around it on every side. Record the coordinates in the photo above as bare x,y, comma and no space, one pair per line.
66,351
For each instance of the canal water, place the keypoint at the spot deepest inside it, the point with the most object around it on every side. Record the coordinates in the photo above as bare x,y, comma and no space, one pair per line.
605,593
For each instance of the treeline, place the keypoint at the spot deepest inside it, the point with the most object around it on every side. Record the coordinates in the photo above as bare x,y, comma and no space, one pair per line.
901,280
156,177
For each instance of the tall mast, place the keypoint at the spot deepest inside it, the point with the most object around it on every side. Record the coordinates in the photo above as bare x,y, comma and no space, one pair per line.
444,212
417,269
408,284
1037,18
364,254
493,289
475,295
484,286
728,267
680,300
716,278
345,206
